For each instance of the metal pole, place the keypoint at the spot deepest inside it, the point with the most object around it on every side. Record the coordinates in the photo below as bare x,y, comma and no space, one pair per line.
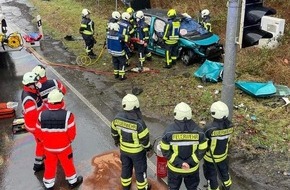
228,86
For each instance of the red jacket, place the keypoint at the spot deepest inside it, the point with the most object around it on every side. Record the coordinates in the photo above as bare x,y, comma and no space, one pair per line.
56,137
49,85
31,105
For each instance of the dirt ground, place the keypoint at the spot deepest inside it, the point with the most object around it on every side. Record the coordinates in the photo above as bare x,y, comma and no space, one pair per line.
260,171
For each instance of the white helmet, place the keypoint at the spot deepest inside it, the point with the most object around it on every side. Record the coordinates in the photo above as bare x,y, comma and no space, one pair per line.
116,15
205,12
39,70
130,102
55,96
114,26
219,110
126,16
140,15
182,111
85,12
30,78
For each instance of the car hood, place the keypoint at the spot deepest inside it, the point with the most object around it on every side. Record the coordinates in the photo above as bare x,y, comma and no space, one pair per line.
206,41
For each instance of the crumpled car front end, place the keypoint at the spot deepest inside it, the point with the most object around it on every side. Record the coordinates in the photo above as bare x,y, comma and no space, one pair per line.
204,43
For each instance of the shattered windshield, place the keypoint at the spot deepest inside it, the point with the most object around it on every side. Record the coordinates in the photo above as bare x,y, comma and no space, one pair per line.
190,27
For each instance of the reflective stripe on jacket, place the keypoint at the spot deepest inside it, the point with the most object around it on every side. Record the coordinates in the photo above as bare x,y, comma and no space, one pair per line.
114,44
31,105
171,31
219,135
142,30
47,87
56,129
87,26
183,141
131,131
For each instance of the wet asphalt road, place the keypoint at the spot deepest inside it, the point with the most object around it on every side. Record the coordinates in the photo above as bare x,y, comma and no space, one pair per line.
93,135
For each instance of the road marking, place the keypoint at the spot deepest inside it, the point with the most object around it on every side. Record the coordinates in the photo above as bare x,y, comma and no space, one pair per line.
92,107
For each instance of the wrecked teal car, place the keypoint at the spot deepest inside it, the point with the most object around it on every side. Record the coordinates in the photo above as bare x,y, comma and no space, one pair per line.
195,44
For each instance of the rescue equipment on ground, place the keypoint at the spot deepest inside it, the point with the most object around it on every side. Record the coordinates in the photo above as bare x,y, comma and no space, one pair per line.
18,126
14,40
32,37
7,110
139,70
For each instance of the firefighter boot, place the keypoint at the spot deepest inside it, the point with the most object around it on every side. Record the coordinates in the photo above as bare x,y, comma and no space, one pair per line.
149,58
92,55
77,183
167,66
38,167
122,78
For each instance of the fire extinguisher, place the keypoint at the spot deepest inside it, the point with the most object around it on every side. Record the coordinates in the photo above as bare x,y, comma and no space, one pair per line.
161,161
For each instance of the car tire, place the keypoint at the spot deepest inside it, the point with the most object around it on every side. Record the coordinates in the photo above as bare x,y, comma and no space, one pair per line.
187,57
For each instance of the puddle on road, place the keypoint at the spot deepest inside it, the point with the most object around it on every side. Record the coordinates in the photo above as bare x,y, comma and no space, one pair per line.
107,172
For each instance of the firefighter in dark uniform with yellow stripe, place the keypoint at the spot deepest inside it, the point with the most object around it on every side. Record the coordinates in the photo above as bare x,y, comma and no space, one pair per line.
142,34
183,144
218,133
87,30
130,132
171,38
205,19
116,49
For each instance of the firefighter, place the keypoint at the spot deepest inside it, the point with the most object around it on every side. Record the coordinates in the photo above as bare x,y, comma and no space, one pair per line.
116,49
183,144
171,38
87,29
142,35
218,133
130,132
131,11
32,105
126,30
114,19
45,85
56,129
205,19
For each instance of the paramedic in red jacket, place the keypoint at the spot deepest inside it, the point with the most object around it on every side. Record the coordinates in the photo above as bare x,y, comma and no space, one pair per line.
45,85
56,128
32,105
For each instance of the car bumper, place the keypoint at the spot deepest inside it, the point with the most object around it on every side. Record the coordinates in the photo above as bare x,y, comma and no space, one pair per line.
214,51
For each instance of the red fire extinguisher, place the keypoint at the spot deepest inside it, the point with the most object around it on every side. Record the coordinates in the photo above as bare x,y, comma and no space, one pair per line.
161,163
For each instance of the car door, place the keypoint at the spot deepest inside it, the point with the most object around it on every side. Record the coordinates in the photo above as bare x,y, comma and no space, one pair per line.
156,33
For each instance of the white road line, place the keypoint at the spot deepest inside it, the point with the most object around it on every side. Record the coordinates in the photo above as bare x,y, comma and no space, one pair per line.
93,108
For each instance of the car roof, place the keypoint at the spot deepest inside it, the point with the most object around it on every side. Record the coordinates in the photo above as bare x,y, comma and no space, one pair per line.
161,13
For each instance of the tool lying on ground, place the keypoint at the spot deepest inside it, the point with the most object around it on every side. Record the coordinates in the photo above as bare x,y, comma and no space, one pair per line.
18,126
7,110
85,60
32,37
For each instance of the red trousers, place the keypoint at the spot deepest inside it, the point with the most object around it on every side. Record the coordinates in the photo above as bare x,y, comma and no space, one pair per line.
39,150
66,160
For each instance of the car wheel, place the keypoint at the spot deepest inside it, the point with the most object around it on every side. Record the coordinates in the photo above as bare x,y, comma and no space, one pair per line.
187,57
